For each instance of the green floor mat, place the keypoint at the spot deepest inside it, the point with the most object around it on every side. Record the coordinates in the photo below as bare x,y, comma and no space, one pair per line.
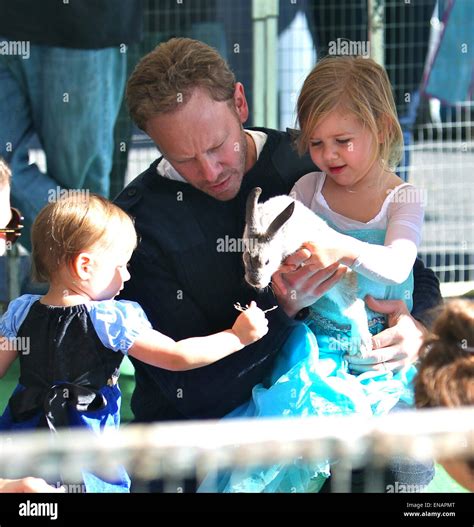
443,482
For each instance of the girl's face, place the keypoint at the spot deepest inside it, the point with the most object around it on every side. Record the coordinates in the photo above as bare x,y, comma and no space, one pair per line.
109,272
344,149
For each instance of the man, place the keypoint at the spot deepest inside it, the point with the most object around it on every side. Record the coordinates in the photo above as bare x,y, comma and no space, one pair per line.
190,212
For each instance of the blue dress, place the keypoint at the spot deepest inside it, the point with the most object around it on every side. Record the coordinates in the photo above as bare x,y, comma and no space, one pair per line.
69,366
303,384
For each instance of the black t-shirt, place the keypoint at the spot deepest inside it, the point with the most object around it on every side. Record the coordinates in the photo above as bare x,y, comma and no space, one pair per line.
82,24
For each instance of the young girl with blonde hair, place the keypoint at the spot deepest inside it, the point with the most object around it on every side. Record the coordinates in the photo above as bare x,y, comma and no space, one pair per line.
349,125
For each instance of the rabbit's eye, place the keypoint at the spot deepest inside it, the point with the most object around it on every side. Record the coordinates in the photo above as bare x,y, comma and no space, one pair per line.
267,262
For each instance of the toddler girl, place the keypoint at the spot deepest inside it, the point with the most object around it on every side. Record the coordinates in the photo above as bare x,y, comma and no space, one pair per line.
72,340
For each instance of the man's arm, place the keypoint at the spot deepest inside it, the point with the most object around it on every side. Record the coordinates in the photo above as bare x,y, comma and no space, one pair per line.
399,344
297,287
426,294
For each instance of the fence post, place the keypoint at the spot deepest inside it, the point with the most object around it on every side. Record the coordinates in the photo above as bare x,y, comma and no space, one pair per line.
376,30
265,67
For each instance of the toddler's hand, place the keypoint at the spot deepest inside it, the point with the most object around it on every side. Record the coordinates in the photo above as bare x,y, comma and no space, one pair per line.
251,325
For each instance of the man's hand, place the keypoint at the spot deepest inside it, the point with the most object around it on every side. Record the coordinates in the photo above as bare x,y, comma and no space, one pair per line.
300,282
395,347
27,485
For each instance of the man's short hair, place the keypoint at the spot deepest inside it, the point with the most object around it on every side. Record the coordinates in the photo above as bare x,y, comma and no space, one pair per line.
167,77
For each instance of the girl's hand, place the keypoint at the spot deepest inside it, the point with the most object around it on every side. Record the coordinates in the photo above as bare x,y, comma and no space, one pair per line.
322,255
251,325
334,249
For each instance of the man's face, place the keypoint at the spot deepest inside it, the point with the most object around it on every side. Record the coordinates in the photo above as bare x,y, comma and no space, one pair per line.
204,141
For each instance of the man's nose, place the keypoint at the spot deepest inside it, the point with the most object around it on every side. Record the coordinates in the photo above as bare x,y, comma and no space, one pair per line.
210,169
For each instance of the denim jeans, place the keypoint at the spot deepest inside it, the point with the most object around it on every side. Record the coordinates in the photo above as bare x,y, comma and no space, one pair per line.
70,98
406,471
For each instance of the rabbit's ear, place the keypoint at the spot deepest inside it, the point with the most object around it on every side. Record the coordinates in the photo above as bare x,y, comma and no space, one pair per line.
280,220
251,210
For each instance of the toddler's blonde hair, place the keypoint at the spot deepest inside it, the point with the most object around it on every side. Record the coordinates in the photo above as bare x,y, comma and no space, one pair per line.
66,227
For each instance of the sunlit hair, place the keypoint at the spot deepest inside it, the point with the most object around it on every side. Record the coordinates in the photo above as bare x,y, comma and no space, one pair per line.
355,85
446,372
5,174
65,228
166,78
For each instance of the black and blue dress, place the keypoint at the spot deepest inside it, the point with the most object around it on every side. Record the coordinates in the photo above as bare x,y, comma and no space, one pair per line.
69,366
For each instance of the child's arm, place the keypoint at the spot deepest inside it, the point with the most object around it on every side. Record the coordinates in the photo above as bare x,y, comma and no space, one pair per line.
390,263
7,355
159,350
10,323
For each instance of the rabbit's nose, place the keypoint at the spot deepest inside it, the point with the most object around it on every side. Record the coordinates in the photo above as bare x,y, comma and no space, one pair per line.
255,264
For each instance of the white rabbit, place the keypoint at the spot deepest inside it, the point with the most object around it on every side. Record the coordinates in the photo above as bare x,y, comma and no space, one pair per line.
279,227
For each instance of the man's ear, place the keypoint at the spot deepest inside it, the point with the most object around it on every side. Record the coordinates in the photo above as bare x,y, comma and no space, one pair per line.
240,102
82,266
